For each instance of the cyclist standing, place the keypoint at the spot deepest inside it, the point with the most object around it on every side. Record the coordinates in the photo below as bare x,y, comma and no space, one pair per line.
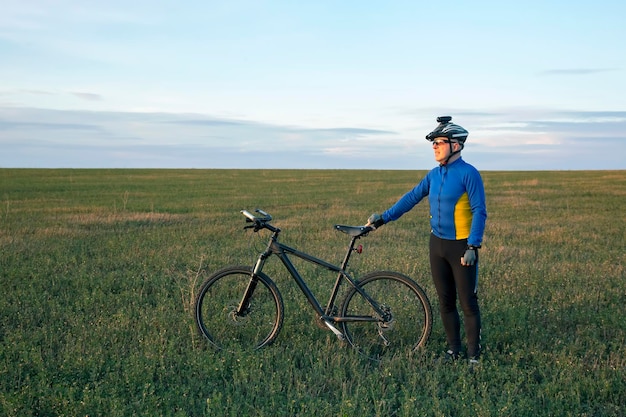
458,213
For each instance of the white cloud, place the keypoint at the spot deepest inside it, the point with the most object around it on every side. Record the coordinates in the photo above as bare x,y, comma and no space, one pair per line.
47,138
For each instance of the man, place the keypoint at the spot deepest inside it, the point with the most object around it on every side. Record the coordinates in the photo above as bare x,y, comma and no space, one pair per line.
458,213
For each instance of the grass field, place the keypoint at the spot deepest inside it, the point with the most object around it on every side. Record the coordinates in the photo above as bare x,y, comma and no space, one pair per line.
99,268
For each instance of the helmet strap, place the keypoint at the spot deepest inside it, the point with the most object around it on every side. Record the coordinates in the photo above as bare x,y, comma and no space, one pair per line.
452,153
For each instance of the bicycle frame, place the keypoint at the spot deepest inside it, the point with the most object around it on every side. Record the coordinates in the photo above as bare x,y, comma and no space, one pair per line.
283,251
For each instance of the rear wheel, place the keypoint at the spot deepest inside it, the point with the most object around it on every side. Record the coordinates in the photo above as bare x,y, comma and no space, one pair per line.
216,310
409,315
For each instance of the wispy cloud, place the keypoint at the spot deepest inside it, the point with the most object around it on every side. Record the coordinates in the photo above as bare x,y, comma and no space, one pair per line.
20,94
25,91
499,140
577,71
354,131
87,96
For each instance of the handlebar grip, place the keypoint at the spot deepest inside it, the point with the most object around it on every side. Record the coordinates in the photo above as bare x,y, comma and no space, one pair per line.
250,216
263,213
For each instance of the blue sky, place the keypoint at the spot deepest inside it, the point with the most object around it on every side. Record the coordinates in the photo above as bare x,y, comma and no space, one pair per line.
310,84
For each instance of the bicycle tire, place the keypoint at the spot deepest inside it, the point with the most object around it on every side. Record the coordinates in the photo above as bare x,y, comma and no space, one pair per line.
405,299
218,298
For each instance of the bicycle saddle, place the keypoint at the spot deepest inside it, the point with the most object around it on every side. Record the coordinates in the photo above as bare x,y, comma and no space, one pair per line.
354,231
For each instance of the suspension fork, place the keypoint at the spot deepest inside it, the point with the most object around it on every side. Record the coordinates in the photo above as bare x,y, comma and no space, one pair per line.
244,304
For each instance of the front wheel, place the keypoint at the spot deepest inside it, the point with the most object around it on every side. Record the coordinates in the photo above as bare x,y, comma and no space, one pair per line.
407,315
216,305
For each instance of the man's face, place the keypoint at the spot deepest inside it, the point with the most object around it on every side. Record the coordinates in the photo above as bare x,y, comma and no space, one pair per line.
441,147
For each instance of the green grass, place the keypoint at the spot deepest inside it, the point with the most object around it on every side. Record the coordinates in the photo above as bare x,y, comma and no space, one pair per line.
98,270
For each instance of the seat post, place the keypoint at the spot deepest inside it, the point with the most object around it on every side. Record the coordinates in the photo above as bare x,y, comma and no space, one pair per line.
344,264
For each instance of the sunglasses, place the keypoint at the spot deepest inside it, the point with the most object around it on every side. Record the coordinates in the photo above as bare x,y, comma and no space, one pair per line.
440,142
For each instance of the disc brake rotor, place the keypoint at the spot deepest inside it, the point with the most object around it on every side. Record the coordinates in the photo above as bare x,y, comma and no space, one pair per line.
231,312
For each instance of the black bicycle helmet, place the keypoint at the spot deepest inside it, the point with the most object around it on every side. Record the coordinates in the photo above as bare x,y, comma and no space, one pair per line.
449,130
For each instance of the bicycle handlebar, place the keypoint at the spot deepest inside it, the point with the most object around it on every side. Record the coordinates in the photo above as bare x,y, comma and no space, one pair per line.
259,222
252,218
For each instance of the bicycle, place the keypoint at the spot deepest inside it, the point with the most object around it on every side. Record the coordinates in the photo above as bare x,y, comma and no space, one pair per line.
383,313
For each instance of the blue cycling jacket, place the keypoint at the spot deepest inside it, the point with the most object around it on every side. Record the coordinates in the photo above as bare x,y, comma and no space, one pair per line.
457,202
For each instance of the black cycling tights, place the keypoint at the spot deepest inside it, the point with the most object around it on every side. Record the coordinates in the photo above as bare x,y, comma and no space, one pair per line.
452,279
